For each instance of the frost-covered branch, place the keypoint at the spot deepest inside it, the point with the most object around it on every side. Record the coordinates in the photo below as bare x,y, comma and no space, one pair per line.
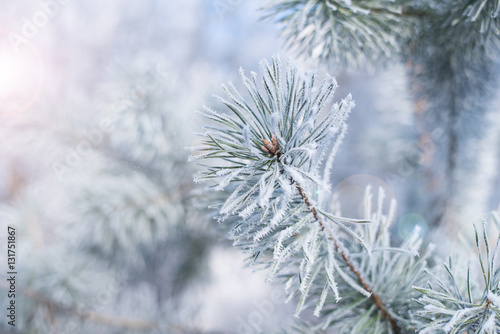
273,158
343,33
344,254
273,149
457,303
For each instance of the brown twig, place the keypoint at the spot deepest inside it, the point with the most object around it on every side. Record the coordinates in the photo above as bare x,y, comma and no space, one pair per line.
404,12
109,320
134,324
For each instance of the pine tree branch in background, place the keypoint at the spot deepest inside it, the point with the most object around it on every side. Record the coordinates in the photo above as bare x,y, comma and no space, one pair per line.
344,33
120,230
108,320
452,50
97,317
452,68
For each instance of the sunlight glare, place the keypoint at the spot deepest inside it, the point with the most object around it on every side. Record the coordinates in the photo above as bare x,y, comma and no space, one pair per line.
21,76
10,76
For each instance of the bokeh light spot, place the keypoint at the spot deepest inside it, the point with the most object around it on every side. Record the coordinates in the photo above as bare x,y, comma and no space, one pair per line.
411,221
350,194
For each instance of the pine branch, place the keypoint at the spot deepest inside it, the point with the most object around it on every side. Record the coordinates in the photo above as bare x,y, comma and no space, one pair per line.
268,157
274,151
347,259
452,62
96,317
137,235
104,319
453,306
344,33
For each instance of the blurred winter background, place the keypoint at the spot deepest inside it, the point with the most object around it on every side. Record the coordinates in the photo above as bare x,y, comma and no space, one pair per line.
97,105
